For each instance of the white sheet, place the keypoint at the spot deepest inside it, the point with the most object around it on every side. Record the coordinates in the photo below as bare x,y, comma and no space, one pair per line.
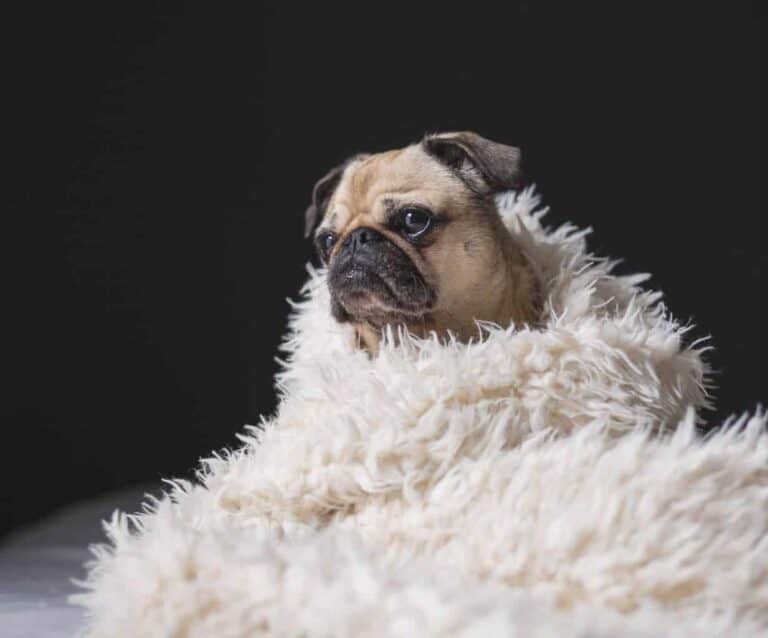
38,564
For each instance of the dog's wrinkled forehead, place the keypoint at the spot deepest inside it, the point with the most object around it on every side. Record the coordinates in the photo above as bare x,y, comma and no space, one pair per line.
372,185
443,168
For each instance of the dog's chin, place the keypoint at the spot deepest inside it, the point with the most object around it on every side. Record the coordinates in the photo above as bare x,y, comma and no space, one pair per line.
361,295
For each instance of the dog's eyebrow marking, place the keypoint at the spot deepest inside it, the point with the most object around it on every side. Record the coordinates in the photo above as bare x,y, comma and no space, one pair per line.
389,203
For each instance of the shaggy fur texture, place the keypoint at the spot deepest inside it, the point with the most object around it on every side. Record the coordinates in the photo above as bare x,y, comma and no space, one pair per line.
543,482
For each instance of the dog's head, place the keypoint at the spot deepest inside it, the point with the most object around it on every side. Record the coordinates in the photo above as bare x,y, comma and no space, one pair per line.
412,237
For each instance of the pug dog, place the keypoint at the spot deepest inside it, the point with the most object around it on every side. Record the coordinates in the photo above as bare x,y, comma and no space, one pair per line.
412,239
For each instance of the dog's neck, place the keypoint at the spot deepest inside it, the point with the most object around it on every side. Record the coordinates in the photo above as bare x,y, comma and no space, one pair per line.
510,297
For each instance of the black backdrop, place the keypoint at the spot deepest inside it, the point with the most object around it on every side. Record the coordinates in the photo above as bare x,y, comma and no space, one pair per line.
163,155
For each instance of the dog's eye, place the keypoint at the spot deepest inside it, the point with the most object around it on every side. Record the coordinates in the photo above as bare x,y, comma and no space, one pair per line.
415,221
325,242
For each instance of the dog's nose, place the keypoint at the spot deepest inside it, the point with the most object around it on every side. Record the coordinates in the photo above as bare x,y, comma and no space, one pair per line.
363,237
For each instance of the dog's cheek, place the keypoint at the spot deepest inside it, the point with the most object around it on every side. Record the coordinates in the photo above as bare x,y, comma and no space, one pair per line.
428,266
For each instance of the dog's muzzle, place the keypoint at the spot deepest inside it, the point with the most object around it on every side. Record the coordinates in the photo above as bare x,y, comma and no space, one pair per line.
372,279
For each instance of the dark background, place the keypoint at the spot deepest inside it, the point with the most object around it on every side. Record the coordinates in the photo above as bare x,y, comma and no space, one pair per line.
163,154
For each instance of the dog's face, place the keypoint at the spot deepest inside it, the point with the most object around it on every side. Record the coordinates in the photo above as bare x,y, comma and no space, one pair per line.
412,237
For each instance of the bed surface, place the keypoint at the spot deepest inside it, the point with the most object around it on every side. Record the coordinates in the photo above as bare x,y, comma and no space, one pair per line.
38,563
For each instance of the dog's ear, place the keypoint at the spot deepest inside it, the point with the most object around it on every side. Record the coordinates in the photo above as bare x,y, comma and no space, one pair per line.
485,166
321,193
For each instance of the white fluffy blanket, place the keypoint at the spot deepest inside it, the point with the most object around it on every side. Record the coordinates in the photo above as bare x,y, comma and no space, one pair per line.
544,482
